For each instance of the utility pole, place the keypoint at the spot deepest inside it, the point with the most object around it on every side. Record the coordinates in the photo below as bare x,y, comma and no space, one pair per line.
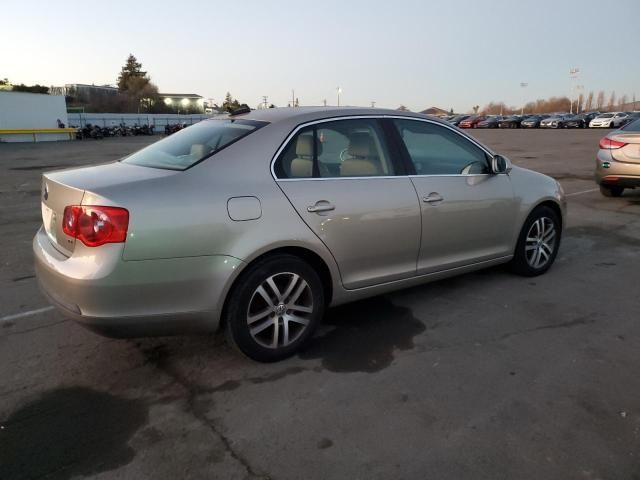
339,91
325,102
264,101
373,104
293,97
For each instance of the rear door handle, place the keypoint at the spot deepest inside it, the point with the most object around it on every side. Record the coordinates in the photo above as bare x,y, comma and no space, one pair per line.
321,206
433,198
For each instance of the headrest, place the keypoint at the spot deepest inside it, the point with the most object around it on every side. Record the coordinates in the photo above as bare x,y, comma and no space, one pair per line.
361,145
304,146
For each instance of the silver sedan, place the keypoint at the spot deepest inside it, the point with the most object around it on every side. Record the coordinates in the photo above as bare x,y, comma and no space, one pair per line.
258,222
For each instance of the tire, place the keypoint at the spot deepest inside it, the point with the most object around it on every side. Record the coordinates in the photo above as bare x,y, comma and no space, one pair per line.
284,317
611,190
537,245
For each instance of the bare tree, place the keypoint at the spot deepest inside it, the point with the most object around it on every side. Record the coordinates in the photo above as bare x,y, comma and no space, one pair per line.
623,101
612,101
600,101
589,103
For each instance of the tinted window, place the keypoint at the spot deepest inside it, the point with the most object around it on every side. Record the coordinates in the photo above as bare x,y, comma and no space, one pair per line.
436,150
187,147
341,148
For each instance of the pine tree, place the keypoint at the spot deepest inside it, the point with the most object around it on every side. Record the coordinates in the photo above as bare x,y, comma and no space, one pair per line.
131,69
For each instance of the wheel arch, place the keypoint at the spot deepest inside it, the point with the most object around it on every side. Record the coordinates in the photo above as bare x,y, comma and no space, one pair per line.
305,254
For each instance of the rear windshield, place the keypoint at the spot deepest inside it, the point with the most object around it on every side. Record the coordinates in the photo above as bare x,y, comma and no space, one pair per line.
193,144
632,127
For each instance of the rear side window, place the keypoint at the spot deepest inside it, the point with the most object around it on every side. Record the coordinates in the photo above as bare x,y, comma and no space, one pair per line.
632,127
341,148
193,144
436,150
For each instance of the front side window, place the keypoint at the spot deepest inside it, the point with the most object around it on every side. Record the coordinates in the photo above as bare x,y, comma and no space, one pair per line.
340,148
436,150
193,144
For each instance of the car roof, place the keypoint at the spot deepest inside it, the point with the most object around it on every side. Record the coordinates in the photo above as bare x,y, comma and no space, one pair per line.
309,114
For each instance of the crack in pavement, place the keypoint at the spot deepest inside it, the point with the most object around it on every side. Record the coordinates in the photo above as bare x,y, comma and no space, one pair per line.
158,357
569,324
33,329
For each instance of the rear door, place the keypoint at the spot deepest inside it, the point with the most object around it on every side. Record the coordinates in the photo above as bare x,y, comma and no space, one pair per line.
468,214
346,185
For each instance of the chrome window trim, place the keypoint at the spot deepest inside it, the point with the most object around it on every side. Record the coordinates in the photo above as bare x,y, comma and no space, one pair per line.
375,117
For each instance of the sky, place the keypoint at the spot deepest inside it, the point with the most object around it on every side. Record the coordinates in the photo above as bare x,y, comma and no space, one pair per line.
450,54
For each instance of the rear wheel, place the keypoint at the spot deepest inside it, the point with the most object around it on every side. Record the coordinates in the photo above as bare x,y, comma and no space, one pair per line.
275,308
611,190
538,243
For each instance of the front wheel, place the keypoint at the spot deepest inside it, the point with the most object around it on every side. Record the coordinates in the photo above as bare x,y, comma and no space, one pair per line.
538,243
275,308
611,190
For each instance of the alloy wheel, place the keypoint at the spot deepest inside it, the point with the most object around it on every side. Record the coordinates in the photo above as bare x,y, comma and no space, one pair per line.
540,242
280,310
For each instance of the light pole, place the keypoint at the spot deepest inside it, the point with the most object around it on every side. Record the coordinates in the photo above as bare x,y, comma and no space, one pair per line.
579,89
373,104
339,91
573,74
523,85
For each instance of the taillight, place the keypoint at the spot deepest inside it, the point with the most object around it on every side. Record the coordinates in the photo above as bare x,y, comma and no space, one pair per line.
607,144
96,225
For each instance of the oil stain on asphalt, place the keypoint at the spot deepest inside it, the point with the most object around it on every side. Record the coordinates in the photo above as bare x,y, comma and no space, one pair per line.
365,337
69,432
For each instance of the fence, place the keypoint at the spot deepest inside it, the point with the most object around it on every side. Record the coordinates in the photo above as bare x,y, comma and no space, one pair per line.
158,120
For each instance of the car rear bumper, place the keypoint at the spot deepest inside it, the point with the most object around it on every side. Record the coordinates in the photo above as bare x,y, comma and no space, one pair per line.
134,298
611,172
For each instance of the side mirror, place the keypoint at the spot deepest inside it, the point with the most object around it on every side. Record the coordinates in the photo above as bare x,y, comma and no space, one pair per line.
500,165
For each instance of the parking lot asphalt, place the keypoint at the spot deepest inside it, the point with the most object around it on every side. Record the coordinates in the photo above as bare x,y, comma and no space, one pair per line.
484,376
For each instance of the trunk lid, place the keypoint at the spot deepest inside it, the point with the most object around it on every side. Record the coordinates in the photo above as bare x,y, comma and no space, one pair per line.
62,188
55,197
631,151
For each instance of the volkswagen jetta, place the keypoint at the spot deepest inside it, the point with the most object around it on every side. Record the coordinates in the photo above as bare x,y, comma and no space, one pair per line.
258,222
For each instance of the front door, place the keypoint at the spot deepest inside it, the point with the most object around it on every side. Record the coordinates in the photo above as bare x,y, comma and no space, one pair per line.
340,177
467,213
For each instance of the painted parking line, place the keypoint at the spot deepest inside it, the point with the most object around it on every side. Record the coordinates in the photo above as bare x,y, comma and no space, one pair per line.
29,313
582,192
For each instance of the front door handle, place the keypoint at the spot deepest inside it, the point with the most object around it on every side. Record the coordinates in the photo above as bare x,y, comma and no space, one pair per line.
321,206
433,198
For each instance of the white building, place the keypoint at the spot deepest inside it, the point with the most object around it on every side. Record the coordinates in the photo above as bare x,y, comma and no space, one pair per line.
31,111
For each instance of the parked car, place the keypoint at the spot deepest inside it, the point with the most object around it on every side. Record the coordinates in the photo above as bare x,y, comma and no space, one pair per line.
472,122
532,121
618,160
554,121
457,119
580,120
225,224
631,116
608,120
490,122
511,122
